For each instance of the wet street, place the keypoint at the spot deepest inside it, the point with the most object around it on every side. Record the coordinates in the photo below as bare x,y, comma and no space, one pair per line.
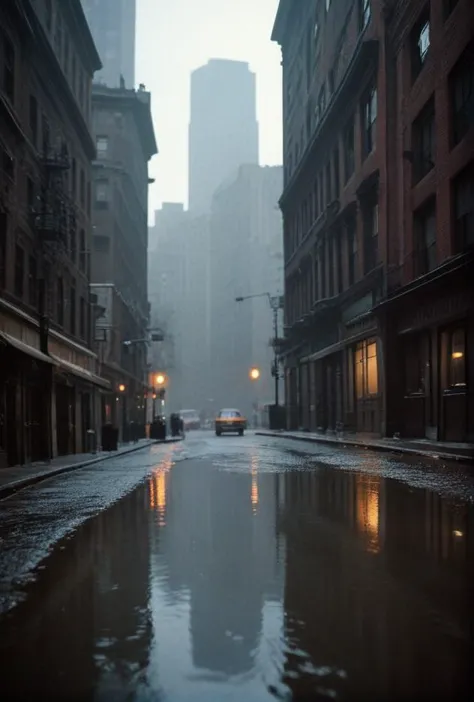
240,569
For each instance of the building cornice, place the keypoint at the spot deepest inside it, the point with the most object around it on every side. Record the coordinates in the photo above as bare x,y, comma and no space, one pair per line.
138,102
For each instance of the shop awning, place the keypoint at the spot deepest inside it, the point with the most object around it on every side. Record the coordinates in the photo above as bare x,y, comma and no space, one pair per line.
82,373
26,348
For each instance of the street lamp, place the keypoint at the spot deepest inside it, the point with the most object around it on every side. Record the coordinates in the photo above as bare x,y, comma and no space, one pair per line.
254,374
276,303
160,379
121,387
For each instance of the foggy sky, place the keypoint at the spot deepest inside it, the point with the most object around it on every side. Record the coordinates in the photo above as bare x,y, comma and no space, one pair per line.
176,36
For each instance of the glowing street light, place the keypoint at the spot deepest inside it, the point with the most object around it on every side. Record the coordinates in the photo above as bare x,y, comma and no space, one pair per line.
121,387
254,373
160,379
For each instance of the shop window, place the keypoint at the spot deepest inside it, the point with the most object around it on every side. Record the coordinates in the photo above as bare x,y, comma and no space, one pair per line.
425,239
463,191
423,140
366,369
461,83
457,359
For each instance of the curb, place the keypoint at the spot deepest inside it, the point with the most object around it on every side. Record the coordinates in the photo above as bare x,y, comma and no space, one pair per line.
14,487
346,443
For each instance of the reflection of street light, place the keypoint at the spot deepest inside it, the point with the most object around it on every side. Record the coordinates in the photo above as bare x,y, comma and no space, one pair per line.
254,374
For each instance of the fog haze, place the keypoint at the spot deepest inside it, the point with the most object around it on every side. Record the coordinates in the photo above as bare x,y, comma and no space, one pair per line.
176,36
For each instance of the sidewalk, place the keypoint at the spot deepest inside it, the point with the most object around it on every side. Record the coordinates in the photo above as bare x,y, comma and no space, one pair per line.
19,477
419,447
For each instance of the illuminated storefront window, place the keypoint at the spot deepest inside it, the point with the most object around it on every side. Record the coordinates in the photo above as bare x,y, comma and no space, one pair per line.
366,369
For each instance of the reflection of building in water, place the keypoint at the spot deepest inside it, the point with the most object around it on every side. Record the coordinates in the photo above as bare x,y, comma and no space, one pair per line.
366,570
122,618
219,543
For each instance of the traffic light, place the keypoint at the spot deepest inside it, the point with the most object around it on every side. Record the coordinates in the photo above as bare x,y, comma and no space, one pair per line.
162,394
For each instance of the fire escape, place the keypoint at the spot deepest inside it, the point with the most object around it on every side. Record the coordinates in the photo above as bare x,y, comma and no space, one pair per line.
54,220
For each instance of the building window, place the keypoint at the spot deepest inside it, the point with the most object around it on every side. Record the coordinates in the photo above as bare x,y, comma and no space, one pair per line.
463,192
331,263
82,250
101,243
34,120
371,237
45,133
420,41
8,164
73,244
323,269
82,188
8,69
365,13
423,140
101,194
60,303
102,145
32,282
351,250
73,74
457,358
366,369
337,176
328,184
349,156
74,179
30,194
72,303
369,120
82,318
461,82
19,271
425,239
449,6
48,14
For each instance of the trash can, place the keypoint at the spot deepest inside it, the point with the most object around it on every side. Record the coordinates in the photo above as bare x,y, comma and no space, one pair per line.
158,429
91,440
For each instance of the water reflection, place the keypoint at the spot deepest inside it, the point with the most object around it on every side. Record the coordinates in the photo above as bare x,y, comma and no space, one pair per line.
207,584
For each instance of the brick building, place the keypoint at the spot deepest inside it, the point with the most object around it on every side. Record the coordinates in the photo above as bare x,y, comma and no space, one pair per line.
367,85
48,381
333,206
428,316
125,142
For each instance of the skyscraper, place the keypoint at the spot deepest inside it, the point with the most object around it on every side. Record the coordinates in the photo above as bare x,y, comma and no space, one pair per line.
223,131
112,23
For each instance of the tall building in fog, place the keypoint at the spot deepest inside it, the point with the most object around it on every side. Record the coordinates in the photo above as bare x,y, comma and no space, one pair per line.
112,23
246,250
223,131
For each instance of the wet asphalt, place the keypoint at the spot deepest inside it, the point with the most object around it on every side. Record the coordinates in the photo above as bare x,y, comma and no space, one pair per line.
240,569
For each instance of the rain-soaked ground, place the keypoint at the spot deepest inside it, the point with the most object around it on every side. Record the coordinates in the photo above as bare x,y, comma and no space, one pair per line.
240,569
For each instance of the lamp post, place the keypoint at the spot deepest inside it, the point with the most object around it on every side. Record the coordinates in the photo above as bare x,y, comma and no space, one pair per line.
122,388
276,303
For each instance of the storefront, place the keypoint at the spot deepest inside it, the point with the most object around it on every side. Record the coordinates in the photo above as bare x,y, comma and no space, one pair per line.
429,342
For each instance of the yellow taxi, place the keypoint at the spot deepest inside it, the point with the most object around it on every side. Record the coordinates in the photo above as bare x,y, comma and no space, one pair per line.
230,420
